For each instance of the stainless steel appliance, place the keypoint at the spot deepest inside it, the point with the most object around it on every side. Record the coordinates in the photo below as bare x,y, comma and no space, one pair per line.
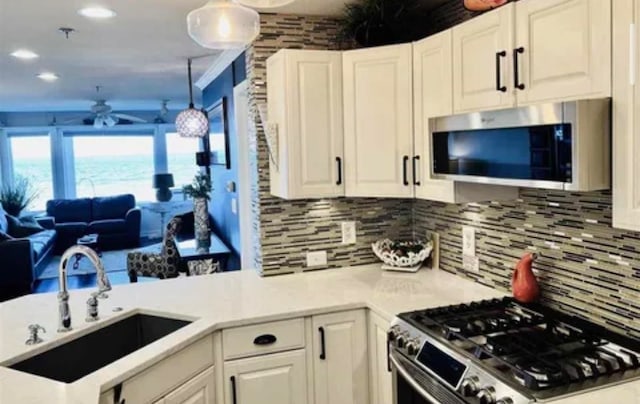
556,146
503,352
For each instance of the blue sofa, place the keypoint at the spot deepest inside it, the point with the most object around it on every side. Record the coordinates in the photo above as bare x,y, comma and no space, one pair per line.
22,259
115,219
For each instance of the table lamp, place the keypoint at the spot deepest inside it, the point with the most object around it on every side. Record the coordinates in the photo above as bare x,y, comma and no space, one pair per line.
162,183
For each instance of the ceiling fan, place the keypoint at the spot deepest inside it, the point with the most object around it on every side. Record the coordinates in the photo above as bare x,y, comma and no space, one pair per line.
163,114
103,116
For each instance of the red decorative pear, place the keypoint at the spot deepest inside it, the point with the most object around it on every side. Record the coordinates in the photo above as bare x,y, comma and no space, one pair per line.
523,283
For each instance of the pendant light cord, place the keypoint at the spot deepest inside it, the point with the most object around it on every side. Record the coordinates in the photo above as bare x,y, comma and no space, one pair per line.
190,83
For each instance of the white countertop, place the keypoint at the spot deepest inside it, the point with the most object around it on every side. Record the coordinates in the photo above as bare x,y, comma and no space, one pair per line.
216,301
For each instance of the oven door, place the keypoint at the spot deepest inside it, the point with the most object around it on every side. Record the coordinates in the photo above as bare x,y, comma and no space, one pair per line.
413,385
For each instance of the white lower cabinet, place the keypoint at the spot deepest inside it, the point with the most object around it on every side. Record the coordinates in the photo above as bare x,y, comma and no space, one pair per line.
340,358
268,379
200,390
380,378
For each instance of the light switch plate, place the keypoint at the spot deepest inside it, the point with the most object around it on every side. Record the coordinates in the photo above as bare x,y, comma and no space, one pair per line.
468,241
316,258
348,232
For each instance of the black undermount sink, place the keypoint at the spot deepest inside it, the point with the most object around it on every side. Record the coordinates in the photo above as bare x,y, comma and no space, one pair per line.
77,358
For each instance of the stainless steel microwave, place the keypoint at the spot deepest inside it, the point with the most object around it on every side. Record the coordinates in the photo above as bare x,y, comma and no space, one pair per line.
555,146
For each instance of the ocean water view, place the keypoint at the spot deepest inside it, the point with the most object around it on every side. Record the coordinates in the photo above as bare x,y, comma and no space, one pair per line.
106,175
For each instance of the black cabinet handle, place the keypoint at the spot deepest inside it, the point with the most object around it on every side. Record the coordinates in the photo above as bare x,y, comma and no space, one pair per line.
234,397
389,354
266,339
323,353
339,161
416,160
499,86
117,395
516,68
405,160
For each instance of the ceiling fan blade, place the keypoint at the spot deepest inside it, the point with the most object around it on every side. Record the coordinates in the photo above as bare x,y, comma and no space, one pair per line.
98,122
110,120
130,118
78,120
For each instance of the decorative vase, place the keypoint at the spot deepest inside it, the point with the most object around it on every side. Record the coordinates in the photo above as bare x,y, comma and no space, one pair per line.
523,283
201,220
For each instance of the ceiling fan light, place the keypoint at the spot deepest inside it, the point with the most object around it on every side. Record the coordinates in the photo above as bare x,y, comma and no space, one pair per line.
192,123
223,24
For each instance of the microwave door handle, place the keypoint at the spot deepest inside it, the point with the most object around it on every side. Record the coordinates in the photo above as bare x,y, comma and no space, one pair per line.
407,377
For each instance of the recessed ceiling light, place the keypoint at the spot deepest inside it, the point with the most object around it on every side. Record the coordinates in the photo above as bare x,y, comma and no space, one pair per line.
97,12
24,54
48,76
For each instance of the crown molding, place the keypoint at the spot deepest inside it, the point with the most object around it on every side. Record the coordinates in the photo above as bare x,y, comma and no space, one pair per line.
222,62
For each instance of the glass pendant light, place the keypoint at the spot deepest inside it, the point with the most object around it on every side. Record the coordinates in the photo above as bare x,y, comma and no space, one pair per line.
192,122
223,24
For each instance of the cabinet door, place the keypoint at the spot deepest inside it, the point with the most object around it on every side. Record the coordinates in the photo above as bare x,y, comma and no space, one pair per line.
380,379
340,358
276,378
432,91
378,121
626,110
305,100
199,390
566,49
476,48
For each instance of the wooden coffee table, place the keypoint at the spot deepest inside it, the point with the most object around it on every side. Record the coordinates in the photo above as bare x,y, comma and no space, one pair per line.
89,240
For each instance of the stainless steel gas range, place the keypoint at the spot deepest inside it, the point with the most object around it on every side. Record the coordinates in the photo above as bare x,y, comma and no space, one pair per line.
503,352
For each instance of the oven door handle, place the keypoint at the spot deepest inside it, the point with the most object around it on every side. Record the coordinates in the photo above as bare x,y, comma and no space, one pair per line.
407,377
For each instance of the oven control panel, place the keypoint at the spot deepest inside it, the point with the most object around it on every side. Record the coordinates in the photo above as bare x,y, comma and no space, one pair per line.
456,372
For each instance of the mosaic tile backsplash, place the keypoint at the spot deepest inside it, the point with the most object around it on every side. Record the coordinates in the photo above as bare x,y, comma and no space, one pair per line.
586,267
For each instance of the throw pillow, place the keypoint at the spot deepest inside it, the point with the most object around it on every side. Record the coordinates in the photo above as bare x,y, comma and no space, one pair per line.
4,236
20,228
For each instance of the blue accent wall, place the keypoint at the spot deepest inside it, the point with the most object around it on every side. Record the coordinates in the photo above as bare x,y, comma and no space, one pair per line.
227,224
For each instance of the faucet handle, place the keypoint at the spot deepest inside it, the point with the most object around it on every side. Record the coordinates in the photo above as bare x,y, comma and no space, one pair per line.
92,307
33,334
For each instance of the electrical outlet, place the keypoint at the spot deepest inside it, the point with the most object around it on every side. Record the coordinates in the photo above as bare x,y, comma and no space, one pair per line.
348,232
468,241
470,263
234,206
316,258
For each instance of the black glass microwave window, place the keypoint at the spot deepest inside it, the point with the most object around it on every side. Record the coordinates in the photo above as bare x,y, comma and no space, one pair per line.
531,153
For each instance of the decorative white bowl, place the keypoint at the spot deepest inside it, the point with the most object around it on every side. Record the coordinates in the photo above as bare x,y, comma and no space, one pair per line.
385,252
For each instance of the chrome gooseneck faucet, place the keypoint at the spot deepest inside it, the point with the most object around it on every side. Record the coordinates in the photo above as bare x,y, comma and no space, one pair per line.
64,318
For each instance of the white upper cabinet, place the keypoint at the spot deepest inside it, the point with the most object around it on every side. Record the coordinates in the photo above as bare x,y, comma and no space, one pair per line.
563,49
626,110
304,92
340,358
482,73
432,91
378,127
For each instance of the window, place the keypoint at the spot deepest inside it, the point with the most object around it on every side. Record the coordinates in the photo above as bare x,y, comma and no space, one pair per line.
31,156
181,158
111,165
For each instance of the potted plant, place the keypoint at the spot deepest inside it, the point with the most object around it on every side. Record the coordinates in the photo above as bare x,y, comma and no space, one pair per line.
17,196
200,191
382,22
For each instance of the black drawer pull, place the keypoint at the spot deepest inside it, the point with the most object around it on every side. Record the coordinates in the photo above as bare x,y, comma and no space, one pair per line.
266,339
499,86
323,353
516,68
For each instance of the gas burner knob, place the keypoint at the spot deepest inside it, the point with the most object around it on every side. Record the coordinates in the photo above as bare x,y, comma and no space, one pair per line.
487,395
470,386
413,347
401,340
505,400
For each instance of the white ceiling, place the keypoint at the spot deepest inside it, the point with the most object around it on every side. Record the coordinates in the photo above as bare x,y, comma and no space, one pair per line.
138,57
